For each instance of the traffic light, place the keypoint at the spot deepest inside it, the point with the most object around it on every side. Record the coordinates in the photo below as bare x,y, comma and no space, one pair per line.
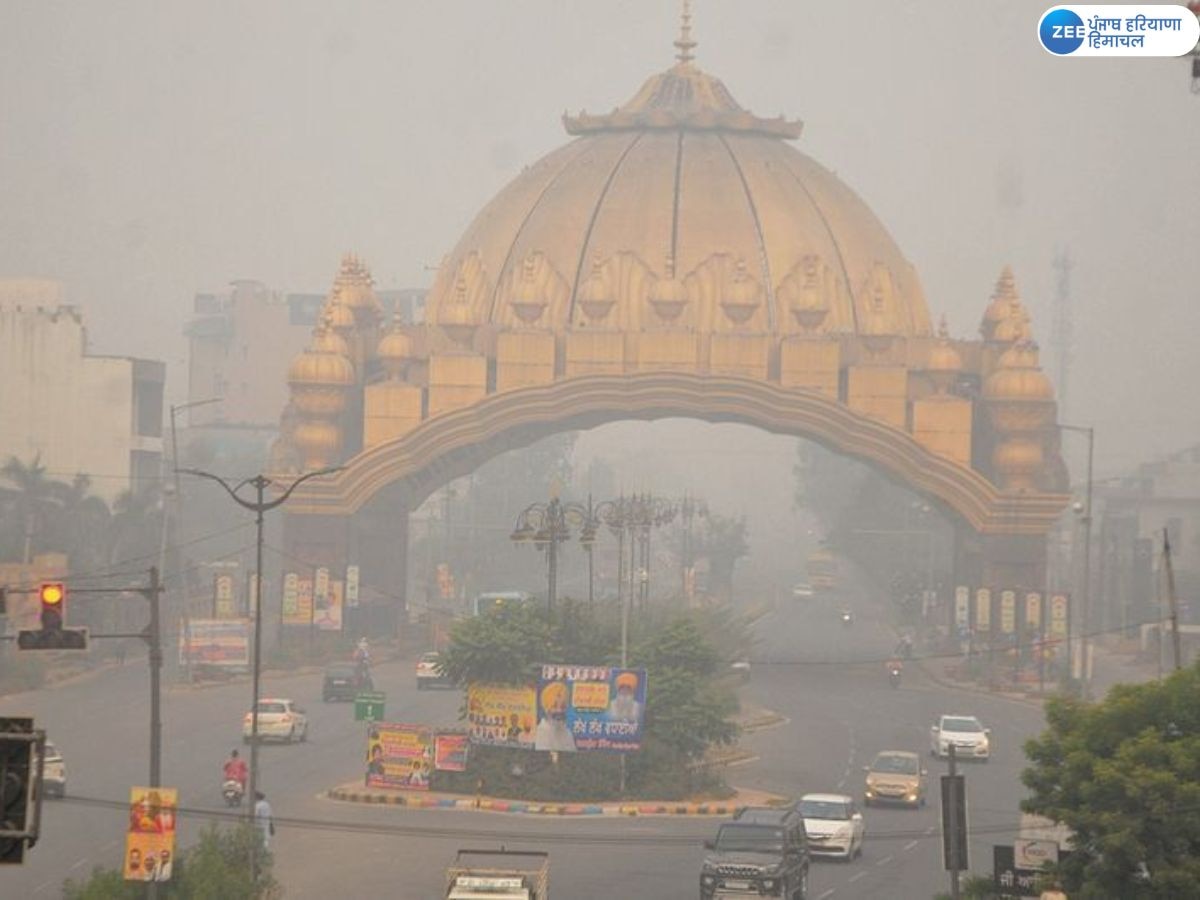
53,597
16,777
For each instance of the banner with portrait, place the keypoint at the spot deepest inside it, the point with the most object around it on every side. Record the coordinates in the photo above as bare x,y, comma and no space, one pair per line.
590,708
501,715
150,835
215,642
399,756
450,750
297,600
327,608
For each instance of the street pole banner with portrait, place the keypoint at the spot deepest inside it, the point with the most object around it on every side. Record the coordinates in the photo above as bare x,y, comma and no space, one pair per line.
590,708
399,756
215,642
450,751
150,838
300,611
501,715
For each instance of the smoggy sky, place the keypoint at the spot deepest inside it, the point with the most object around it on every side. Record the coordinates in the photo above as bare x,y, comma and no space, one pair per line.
151,150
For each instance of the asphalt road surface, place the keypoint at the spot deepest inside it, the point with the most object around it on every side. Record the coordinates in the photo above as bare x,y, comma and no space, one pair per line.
827,679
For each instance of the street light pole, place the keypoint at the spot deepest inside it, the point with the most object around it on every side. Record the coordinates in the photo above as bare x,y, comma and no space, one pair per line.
1086,520
259,507
176,522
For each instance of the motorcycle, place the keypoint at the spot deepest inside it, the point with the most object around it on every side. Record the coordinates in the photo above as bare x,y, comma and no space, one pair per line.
847,619
233,791
894,677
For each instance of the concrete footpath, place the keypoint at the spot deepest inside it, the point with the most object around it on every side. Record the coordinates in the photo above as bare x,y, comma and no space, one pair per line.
355,792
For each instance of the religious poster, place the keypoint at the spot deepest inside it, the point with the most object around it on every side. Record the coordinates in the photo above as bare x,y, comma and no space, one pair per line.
1008,611
983,610
399,756
590,708
150,836
1033,611
501,715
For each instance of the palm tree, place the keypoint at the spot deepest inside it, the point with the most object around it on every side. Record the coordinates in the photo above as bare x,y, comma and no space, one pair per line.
29,500
81,523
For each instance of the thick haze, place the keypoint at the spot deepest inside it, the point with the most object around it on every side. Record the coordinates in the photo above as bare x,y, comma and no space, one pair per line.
152,150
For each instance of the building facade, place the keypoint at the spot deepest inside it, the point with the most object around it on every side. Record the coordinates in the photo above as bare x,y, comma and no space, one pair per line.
96,415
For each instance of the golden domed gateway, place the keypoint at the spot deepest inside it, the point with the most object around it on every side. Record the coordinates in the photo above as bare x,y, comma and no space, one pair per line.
679,257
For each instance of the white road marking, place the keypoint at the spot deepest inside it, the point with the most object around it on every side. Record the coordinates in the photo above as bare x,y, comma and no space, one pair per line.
883,862
828,893
853,878
78,864
909,845
41,887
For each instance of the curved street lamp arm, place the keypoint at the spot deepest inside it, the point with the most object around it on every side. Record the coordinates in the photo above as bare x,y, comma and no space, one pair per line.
278,501
253,507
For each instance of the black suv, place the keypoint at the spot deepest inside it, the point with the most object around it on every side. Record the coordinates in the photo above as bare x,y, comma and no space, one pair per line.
341,682
763,852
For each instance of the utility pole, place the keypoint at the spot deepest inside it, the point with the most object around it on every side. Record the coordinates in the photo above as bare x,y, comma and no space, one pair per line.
1173,600
953,824
259,506
153,638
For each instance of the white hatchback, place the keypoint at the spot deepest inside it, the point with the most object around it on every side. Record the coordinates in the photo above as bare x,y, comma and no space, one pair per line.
965,733
278,719
834,825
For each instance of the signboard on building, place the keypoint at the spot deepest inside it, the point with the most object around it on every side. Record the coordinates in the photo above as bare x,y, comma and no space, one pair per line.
399,756
291,593
590,708
300,612
1033,611
962,607
1010,880
150,834
1008,611
223,598
983,610
351,587
1059,615
501,715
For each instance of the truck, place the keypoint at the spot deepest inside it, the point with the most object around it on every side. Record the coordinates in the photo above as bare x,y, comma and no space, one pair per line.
499,875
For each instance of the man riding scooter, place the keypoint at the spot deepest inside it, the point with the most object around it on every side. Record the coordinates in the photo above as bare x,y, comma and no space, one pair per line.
894,668
235,774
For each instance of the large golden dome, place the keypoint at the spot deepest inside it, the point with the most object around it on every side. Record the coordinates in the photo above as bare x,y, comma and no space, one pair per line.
680,183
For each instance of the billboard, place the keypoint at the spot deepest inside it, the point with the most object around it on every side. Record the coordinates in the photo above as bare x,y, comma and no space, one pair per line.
223,597
590,708
297,600
501,715
399,756
215,642
150,836
450,752
327,608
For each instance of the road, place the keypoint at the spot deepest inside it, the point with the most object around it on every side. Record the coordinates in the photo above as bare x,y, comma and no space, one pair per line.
827,679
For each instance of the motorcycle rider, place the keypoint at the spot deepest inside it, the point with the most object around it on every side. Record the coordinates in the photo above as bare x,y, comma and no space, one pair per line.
894,668
235,770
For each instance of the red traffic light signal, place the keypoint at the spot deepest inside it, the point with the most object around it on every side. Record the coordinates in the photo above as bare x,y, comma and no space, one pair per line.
53,597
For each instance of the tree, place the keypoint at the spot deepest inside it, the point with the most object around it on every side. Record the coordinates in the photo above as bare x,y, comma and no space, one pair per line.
29,500
1124,776
723,541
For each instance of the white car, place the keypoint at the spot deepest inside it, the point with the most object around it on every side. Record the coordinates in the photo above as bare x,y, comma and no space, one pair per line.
429,673
966,733
54,773
278,719
803,591
835,826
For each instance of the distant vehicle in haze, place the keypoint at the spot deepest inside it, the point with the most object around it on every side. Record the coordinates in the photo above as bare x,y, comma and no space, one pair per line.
429,672
802,591
822,570
278,718
341,682
498,601
967,735
834,825
895,776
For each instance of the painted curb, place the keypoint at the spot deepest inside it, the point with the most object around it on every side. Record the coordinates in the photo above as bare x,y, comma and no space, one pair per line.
489,804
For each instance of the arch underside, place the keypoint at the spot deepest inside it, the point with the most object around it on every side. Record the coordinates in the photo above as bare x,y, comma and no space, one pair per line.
456,443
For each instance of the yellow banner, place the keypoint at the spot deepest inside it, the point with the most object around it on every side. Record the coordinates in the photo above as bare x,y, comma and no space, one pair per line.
150,836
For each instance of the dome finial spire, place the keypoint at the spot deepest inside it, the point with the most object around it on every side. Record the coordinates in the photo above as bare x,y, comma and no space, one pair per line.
684,43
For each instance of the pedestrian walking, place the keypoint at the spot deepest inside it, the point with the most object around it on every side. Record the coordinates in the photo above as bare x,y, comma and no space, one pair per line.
263,819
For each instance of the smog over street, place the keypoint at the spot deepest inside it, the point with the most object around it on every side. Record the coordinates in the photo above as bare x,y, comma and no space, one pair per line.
684,432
